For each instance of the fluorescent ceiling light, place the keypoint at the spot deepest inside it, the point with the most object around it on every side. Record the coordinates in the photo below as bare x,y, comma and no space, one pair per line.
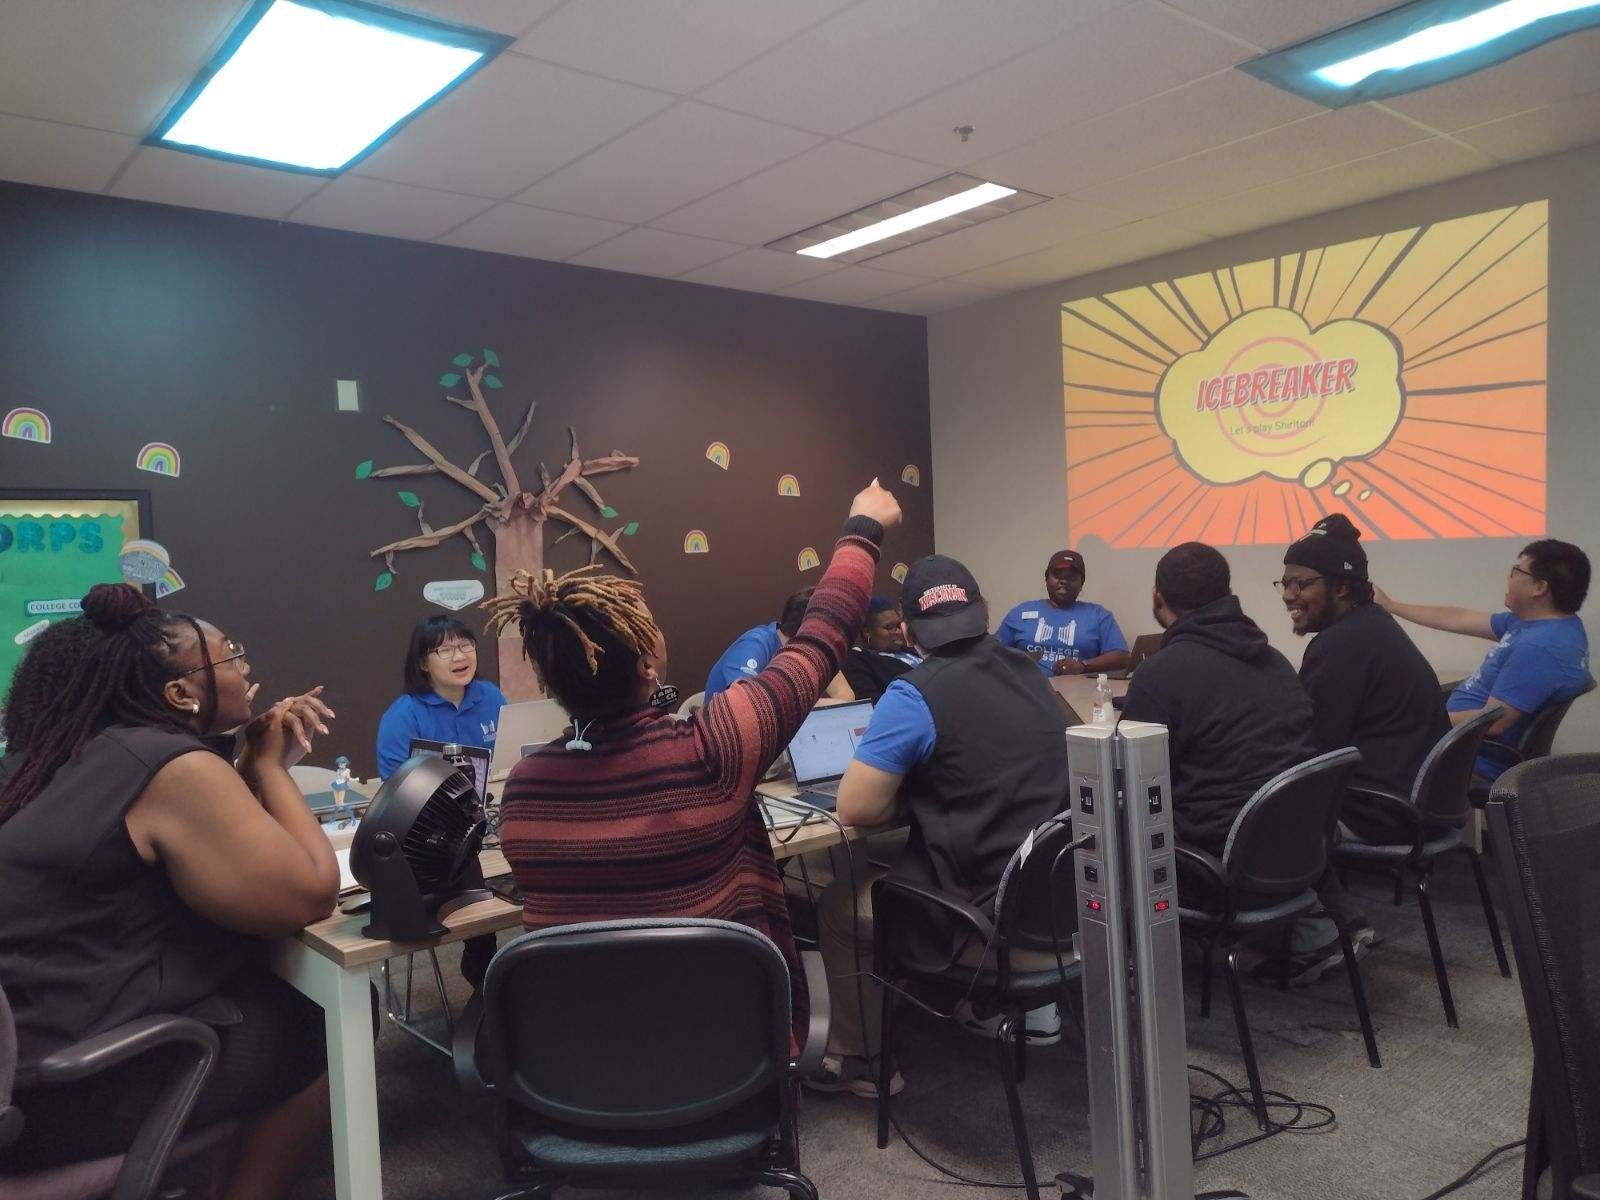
313,85
984,193
1418,45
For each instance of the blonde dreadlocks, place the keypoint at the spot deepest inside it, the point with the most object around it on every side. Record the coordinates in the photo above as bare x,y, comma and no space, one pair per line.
584,631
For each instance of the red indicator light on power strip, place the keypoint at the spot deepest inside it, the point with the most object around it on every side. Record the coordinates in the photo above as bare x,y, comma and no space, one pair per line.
1162,905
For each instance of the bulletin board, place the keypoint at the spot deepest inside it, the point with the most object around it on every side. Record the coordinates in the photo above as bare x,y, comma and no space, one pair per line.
54,546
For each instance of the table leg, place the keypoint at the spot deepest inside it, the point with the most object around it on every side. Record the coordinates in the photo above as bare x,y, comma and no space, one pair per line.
352,1076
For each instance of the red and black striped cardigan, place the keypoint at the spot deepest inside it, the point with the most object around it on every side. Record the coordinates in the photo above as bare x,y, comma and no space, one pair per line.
657,820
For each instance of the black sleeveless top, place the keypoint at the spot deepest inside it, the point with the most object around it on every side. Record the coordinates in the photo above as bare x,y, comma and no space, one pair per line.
91,935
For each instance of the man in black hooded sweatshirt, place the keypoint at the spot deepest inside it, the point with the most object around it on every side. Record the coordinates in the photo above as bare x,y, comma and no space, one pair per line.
1235,712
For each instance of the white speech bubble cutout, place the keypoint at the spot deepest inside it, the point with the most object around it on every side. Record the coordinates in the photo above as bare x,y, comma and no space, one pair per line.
454,594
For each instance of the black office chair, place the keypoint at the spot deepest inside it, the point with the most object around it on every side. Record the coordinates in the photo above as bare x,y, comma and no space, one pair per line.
1275,854
1035,909
632,1051
136,1174
1545,816
1538,739
1396,835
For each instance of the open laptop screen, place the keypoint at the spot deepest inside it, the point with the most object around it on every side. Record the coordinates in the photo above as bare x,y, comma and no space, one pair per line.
827,739
478,754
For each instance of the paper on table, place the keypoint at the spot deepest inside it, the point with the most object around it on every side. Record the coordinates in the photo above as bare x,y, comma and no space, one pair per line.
347,881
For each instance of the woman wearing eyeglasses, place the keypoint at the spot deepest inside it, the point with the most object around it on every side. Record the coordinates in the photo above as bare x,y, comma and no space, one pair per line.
142,872
444,700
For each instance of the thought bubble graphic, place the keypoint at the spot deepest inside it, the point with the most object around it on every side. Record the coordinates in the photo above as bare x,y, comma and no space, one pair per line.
1267,396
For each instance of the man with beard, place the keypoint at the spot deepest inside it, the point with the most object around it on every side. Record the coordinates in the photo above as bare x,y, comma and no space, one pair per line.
1065,635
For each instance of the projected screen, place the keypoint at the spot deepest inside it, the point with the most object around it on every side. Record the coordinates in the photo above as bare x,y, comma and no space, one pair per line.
1399,379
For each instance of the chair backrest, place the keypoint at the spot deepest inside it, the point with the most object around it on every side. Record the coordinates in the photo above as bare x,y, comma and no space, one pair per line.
692,705
311,779
1278,845
1036,907
1540,736
10,1118
1440,794
1544,817
633,1025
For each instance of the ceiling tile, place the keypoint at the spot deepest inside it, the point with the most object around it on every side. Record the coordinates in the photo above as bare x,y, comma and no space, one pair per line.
173,177
880,54
847,285
1125,244
1272,24
934,297
510,228
823,183
105,63
675,45
1001,238
759,270
1385,174
1126,55
501,16
685,153
1281,153
1548,130
1568,66
506,126
389,209
1210,112
62,156
654,252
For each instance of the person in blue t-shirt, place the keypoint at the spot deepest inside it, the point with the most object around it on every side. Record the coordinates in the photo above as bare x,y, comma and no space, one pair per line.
444,700
753,649
1065,635
1542,652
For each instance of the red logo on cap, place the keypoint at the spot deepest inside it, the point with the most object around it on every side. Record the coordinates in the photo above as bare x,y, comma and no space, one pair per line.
945,593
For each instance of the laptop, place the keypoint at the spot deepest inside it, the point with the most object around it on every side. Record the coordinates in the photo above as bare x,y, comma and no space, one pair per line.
1144,646
478,754
522,729
824,746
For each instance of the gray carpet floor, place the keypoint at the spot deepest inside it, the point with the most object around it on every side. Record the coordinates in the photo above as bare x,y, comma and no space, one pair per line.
1442,1099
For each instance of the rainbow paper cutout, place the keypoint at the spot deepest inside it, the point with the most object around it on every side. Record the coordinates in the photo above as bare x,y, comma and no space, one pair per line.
911,475
719,453
808,559
788,485
26,425
159,459
695,542
144,561
898,574
169,582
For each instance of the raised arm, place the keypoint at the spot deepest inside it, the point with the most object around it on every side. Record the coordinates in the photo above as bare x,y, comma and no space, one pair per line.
1448,617
750,723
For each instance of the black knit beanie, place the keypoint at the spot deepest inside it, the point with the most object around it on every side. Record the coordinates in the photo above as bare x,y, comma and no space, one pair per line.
1332,546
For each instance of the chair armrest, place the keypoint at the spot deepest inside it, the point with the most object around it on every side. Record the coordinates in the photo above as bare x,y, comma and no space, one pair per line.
1386,804
95,1054
821,1014
1585,1187
464,1048
1208,866
1510,753
932,898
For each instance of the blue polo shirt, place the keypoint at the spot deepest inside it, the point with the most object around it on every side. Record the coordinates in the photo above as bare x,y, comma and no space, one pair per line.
1081,630
900,734
749,655
431,716
1535,663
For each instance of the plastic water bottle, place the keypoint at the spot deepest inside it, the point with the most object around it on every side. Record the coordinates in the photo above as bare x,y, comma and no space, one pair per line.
1103,710
340,787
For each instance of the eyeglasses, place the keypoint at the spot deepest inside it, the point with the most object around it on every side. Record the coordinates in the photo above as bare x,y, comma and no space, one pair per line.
455,650
1293,587
1521,571
235,654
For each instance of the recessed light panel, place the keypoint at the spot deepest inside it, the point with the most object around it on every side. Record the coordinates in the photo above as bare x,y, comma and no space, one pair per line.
919,215
314,85
1416,46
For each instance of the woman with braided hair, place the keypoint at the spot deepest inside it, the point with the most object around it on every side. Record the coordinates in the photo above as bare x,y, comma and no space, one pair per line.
142,869
671,801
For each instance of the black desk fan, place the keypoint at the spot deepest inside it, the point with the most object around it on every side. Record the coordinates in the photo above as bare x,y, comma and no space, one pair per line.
416,849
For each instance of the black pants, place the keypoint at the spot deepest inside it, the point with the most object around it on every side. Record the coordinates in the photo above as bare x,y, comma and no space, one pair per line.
274,1050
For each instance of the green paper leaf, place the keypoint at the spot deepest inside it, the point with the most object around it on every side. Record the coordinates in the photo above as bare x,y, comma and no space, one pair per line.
363,469
449,380
492,381
462,360
409,499
477,561
490,357
608,512
383,581
631,528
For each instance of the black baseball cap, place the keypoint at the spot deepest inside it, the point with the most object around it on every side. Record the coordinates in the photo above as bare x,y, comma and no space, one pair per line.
1066,560
941,602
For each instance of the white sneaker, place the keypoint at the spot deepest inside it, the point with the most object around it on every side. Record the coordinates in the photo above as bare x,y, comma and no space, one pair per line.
1043,1025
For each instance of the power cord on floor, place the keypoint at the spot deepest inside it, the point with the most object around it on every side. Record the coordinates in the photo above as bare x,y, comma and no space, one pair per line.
1301,1116
1475,1170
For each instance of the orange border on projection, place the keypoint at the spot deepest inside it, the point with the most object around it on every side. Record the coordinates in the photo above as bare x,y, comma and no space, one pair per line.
1465,301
